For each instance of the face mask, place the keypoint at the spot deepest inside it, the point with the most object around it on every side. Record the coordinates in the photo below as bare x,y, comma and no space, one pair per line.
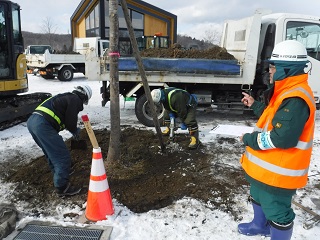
286,69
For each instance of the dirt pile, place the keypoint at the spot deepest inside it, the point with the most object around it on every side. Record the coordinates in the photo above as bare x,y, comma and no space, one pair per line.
177,52
144,178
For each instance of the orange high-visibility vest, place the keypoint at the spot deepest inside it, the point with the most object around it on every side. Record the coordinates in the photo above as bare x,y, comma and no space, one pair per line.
283,168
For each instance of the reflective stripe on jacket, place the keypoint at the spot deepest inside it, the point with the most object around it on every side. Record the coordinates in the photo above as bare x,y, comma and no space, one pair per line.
169,100
283,168
50,113
191,102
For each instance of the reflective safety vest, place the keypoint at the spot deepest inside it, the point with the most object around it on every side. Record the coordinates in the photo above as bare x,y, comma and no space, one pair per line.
283,168
50,113
189,102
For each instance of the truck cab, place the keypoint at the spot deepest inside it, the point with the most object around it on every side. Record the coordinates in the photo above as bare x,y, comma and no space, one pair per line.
83,45
251,41
33,53
305,29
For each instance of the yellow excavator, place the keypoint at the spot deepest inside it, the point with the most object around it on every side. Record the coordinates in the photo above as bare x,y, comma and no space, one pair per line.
155,41
14,105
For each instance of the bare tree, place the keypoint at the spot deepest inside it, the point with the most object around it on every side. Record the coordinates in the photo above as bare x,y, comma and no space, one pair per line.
212,36
114,144
142,72
49,28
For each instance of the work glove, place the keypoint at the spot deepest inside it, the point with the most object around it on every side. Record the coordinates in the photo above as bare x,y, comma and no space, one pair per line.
183,126
76,134
171,115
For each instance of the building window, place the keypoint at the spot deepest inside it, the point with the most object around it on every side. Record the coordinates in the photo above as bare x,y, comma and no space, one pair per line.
106,15
137,20
93,22
93,26
122,20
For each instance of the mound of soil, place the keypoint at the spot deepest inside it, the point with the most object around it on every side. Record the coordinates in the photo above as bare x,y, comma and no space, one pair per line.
144,178
177,52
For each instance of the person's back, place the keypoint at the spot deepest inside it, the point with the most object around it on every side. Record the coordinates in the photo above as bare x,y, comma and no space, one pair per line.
53,115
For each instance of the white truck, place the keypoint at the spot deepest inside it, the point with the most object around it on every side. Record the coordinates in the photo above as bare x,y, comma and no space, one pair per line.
33,52
219,82
63,66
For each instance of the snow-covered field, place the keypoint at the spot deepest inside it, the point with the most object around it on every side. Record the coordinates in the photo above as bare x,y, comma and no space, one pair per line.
185,219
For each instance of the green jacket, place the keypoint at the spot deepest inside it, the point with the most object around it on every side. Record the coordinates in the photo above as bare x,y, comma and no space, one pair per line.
176,102
294,124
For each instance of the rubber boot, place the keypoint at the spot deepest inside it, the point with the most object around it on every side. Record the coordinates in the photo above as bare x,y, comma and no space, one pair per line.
194,138
166,132
281,232
258,226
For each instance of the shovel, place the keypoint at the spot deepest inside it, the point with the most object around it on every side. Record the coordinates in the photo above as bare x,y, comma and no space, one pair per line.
78,144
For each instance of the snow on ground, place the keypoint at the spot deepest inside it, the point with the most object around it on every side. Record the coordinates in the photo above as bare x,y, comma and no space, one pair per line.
187,218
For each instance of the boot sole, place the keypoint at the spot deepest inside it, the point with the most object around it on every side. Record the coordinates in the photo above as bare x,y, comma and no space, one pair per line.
63,195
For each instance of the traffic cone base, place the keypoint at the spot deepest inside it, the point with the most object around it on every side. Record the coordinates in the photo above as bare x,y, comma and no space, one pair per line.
99,201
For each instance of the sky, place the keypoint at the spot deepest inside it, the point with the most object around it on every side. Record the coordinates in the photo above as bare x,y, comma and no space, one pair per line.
194,17
187,218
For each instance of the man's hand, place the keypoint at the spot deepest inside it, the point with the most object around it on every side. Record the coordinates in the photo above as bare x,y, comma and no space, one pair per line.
171,115
247,100
241,137
183,126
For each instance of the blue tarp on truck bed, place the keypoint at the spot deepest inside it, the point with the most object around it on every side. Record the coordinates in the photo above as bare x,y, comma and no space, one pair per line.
182,65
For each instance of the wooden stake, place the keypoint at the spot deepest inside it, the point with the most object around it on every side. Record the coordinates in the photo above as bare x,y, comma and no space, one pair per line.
90,132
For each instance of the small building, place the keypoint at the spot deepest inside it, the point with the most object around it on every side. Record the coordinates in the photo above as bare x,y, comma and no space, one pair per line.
91,19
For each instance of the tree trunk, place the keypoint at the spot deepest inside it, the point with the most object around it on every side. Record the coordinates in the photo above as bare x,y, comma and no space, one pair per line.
142,72
114,144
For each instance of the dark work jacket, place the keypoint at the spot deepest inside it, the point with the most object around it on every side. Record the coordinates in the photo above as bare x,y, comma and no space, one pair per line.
67,107
179,101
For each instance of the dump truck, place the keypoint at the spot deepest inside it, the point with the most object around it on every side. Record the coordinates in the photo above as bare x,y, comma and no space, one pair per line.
218,82
33,52
63,66
15,103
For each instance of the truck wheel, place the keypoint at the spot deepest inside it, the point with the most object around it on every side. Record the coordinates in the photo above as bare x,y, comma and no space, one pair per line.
143,112
65,74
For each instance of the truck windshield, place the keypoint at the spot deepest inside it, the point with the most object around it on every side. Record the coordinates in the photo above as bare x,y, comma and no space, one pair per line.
308,34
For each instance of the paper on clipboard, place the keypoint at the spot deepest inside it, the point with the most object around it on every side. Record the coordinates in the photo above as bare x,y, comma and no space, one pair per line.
231,130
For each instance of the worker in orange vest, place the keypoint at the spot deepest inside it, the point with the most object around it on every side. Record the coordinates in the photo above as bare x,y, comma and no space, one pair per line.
277,154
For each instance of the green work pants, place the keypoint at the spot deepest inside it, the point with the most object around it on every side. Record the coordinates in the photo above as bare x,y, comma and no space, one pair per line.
276,205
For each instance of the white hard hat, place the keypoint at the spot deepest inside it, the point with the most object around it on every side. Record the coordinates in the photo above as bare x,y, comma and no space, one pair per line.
86,90
289,50
156,95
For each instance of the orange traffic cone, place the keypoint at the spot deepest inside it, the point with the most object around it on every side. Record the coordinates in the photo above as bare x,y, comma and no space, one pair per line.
99,202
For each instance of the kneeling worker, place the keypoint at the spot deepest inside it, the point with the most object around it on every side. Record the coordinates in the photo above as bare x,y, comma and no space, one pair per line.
179,103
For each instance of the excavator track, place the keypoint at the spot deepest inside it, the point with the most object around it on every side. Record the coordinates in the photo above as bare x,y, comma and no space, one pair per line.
16,109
